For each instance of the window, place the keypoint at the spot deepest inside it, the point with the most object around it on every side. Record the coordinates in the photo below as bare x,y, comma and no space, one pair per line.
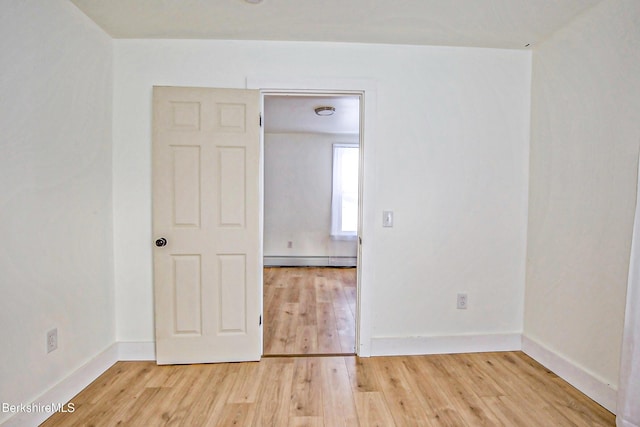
344,199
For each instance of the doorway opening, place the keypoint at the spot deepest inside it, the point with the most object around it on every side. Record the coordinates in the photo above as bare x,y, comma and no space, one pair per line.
312,151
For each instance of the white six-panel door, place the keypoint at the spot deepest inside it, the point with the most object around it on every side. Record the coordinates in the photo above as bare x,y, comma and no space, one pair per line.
206,207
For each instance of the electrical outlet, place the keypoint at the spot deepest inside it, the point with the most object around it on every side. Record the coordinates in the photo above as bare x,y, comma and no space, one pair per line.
462,302
52,340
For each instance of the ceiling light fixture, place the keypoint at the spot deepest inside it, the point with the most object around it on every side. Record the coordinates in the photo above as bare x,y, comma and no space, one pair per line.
253,1
325,111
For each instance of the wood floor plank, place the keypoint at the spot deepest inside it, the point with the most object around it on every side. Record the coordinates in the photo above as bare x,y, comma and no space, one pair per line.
184,398
372,409
323,292
467,370
283,339
362,375
306,340
339,407
289,327
236,414
275,393
531,385
306,422
306,393
291,285
517,386
143,407
572,402
597,416
405,405
247,386
556,399
119,377
437,390
430,374
328,339
493,365
307,300
460,383
202,400
224,388
505,409
171,398
309,310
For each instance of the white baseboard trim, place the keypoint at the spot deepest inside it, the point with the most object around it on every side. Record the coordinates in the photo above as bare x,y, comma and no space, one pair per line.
135,351
597,389
66,389
405,346
314,261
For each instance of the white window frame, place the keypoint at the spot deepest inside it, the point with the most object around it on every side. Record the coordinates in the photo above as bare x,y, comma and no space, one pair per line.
336,195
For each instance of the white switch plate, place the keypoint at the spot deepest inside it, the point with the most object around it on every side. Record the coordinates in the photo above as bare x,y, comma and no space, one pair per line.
387,218
462,302
52,340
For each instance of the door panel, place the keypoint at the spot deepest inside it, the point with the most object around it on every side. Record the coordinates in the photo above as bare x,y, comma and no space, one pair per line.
187,283
186,186
206,205
232,295
232,186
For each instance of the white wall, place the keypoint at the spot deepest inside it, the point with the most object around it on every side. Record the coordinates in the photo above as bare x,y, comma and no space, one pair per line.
451,143
56,257
584,148
297,192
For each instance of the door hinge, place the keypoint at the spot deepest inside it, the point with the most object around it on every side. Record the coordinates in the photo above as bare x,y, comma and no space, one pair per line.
260,120
260,321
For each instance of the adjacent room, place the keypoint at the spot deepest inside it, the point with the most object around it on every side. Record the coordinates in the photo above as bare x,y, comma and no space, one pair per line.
311,175
490,275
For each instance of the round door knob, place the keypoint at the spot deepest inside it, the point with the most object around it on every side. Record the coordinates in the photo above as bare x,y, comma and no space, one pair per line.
161,242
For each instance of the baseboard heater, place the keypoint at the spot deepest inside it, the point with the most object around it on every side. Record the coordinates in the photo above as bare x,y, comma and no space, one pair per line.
310,261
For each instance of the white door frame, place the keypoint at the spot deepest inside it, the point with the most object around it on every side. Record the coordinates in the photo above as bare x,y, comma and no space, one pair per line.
366,89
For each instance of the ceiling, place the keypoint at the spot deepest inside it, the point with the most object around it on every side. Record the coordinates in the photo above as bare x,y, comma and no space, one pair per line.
511,24
287,114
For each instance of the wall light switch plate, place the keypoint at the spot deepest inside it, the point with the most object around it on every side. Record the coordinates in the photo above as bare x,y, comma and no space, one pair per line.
52,340
462,302
387,219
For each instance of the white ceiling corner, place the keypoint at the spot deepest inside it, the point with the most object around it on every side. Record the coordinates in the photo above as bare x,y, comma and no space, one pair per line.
508,24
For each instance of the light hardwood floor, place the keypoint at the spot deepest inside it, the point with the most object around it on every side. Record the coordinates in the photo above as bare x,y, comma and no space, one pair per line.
309,310
496,389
